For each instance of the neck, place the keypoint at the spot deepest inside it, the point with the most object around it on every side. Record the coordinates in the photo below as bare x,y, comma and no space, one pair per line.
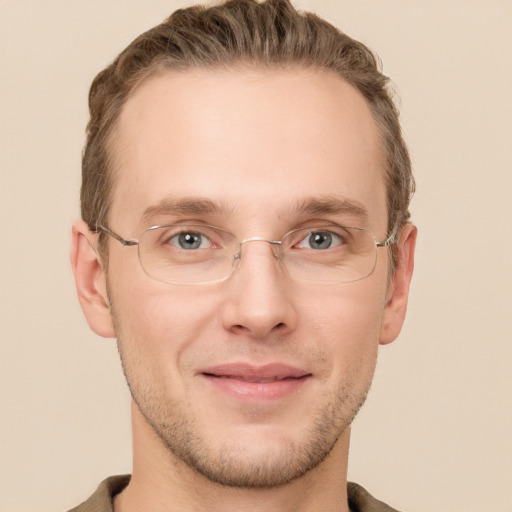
162,483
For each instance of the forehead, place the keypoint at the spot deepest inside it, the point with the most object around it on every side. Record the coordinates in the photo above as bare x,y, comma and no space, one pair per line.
254,140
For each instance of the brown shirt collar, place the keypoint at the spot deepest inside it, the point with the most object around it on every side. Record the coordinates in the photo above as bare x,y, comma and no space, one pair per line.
359,499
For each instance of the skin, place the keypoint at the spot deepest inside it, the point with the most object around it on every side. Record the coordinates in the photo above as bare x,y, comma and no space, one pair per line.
258,142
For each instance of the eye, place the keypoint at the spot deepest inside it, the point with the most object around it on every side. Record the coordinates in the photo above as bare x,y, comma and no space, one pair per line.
320,240
190,240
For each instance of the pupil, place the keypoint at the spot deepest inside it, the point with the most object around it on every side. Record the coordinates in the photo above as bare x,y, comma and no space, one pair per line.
189,240
320,240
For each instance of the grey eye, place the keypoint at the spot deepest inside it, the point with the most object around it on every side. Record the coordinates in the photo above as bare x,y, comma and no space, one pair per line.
189,241
320,240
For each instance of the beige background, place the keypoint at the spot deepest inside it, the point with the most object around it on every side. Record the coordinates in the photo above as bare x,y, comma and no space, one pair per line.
436,431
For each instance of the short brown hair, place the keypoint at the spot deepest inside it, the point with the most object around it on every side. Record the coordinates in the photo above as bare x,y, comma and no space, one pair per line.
268,33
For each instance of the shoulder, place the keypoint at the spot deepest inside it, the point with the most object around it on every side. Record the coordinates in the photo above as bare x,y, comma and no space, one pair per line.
101,500
360,500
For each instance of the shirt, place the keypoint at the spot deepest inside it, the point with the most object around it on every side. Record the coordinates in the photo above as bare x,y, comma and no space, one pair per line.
359,499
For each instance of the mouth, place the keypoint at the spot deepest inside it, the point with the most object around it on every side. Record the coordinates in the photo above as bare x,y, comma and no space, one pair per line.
256,383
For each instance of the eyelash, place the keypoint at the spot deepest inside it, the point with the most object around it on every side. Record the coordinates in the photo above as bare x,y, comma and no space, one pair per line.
334,238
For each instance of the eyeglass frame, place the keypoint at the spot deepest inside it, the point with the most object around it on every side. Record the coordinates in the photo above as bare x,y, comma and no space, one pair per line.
129,242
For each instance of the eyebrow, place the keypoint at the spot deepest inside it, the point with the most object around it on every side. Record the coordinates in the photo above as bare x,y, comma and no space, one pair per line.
330,205
185,206
312,206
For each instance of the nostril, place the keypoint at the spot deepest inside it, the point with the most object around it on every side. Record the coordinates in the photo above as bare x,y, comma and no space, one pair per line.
239,329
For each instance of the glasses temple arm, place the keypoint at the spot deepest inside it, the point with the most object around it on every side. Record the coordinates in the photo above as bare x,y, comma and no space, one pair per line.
391,239
120,239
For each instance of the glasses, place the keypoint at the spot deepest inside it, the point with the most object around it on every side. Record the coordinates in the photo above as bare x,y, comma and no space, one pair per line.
200,254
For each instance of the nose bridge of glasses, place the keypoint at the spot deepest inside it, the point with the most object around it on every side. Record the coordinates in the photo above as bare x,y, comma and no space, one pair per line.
260,239
275,244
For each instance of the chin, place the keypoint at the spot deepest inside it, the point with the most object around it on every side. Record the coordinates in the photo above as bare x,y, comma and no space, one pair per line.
252,455
256,462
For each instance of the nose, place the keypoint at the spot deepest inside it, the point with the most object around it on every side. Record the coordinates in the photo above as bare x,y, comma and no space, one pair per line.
259,293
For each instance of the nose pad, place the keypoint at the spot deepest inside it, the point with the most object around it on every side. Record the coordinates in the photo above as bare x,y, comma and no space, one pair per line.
236,259
275,246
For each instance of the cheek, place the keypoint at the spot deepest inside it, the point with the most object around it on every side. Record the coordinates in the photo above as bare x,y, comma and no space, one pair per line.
346,323
156,320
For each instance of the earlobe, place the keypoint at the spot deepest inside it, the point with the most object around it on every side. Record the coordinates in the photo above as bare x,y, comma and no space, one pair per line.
398,295
90,280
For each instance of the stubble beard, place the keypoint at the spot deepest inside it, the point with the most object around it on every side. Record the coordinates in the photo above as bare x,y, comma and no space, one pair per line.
223,465
228,465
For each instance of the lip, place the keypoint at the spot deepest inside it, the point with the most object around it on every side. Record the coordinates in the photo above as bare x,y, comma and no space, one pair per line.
256,383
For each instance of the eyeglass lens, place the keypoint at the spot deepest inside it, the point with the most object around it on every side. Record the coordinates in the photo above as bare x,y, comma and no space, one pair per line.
197,253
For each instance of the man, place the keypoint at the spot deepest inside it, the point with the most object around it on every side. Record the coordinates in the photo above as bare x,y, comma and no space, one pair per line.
245,236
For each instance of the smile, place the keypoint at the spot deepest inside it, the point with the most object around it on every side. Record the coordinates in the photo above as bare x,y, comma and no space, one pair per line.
272,379
263,383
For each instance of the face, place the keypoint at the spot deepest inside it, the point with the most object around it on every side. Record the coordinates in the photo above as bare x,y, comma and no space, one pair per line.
253,380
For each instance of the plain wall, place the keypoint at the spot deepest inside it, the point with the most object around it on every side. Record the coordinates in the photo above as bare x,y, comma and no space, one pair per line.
436,431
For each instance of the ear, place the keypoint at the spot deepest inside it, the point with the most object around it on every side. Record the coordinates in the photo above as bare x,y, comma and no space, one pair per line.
398,293
90,280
